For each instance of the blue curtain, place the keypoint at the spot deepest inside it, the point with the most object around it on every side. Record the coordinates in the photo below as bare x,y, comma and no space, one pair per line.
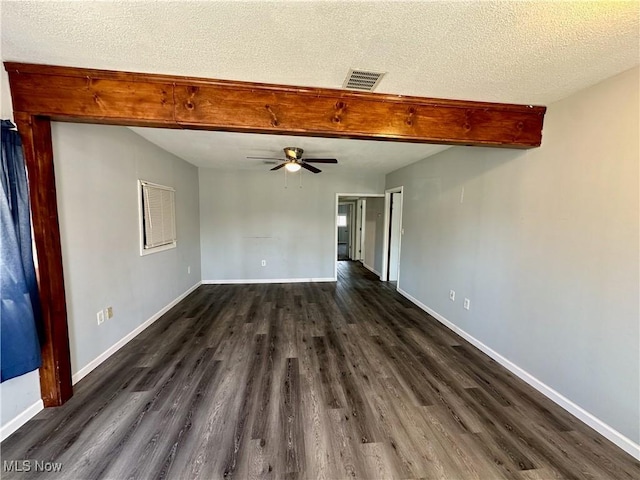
20,314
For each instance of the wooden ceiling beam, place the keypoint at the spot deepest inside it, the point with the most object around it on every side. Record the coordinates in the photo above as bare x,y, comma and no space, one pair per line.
123,98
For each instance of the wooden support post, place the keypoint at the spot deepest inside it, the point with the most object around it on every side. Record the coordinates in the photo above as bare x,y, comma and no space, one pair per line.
55,372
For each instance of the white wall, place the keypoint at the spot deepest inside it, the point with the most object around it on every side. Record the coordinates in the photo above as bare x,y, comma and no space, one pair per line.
5,96
97,168
248,216
546,247
373,234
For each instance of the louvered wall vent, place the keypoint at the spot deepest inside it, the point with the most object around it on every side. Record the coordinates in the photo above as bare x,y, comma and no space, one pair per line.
362,80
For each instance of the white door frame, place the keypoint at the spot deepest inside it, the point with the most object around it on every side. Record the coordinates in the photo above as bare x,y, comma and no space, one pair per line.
335,224
360,206
385,243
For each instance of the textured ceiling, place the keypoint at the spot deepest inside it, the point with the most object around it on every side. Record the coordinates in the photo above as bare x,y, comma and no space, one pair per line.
522,52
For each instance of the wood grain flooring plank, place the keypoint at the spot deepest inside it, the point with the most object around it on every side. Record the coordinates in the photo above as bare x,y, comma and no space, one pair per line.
408,371
514,437
291,422
443,361
177,424
232,457
398,446
377,461
569,457
485,380
496,419
272,355
431,456
318,461
105,430
289,335
259,465
491,464
344,446
358,410
453,453
378,366
539,474
604,454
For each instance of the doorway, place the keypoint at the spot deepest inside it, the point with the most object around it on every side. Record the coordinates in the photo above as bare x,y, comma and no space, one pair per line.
393,235
359,230
345,228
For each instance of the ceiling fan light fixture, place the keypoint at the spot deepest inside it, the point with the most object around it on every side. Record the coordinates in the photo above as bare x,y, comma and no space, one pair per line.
292,166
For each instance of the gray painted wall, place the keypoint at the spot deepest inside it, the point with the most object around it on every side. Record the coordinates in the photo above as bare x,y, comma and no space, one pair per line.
546,247
248,216
374,233
97,168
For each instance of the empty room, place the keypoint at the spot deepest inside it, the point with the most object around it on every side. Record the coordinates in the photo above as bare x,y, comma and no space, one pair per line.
320,240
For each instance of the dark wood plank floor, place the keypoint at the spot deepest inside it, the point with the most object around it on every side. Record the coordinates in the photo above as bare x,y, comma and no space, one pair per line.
345,380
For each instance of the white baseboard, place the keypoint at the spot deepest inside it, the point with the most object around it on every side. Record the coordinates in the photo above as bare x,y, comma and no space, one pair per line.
268,280
84,371
20,419
371,269
577,411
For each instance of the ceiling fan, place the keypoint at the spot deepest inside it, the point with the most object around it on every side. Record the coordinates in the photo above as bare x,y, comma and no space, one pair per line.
294,161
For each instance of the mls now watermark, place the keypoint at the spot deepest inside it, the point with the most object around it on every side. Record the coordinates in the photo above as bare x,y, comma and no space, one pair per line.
31,466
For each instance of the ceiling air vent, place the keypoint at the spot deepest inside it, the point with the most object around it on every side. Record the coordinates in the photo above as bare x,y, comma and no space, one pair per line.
362,80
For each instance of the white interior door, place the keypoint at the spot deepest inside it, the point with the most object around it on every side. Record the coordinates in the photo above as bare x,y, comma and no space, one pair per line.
358,254
394,236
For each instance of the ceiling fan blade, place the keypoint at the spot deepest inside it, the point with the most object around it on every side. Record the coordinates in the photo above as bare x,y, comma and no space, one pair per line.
311,168
264,158
320,160
278,167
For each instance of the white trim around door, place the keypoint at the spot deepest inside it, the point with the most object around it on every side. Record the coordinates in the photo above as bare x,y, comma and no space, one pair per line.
335,223
384,275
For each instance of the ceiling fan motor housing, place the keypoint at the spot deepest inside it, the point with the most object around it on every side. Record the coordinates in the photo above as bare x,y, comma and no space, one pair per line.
293,153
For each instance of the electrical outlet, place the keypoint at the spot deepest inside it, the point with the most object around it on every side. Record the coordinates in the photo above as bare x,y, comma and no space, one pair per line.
100,316
264,263
109,312
452,295
466,304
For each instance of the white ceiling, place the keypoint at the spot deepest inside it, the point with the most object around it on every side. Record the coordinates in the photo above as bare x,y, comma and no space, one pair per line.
506,51
227,150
